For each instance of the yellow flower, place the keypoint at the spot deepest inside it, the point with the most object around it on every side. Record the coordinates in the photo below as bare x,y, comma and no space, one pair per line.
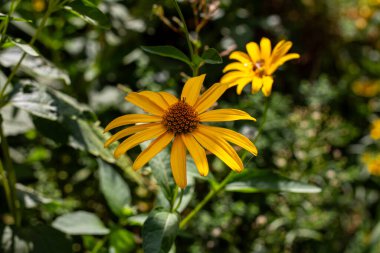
180,119
375,129
38,5
372,162
366,88
257,67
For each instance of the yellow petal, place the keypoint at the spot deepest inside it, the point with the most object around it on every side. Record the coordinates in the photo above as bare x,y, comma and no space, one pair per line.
178,162
192,89
169,98
128,131
224,115
210,96
197,153
257,82
233,76
280,50
220,148
267,85
253,51
144,103
153,149
265,47
241,83
232,136
237,66
240,56
281,61
131,119
156,98
139,137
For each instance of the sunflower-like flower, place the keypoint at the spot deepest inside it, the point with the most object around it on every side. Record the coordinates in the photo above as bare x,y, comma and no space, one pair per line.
375,129
181,120
257,67
372,161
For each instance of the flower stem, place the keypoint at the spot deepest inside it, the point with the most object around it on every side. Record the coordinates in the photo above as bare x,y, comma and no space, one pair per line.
33,39
10,177
185,30
220,187
6,186
267,102
208,197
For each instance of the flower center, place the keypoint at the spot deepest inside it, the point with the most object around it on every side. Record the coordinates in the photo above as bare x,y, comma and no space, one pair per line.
180,118
258,67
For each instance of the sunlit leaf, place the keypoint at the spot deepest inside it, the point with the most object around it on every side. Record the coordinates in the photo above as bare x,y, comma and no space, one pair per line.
159,231
29,198
109,181
31,97
36,66
265,181
89,12
80,223
168,51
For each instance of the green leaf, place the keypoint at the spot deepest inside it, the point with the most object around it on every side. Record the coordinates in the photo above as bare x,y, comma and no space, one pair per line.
159,231
29,198
121,241
211,56
29,96
89,12
111,181
80,223
38,239
252,181
168,51
36,66
25,47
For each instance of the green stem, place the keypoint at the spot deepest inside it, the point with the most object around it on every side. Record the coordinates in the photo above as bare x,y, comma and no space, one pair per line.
175,194
99,244
208,197
11,176
35,36
261,127
223,184
186,31
180,200
7,189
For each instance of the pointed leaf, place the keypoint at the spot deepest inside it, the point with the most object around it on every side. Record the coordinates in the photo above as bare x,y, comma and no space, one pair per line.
159,231
168,51
89,12
111,181
265,181
80,223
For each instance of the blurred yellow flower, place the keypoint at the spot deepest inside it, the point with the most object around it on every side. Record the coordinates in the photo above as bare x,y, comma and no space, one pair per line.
38,5
375,129
257,67
180,119
372,161
366,88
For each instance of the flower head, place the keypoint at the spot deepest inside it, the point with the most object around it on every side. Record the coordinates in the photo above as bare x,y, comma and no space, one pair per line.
257,67
180,120
366,88
372,161
375,129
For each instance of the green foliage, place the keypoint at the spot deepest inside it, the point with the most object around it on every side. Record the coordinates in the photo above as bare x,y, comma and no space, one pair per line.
80,57
159,231
251,181
80,223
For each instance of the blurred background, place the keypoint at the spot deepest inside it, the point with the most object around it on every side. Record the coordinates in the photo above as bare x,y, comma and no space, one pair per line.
321,125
